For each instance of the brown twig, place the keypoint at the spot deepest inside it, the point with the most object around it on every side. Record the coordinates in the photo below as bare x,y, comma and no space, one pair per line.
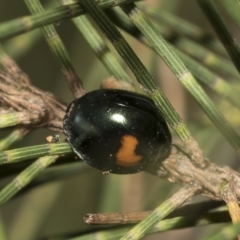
196,209
114,218
178,168
35,107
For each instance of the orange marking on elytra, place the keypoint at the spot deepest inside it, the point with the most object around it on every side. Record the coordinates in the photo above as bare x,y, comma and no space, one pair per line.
126,155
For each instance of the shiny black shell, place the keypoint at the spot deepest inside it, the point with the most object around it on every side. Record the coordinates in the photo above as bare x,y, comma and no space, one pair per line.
116,131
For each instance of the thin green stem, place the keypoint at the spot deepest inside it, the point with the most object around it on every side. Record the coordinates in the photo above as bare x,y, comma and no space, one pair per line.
209,58
185,28
15,118
233,7
24,24
222,31
101,50
25,177
215,82
26,153
13,137
59,51
227,233
159,213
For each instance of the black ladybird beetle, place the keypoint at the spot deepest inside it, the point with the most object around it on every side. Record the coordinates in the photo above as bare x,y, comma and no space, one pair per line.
116,131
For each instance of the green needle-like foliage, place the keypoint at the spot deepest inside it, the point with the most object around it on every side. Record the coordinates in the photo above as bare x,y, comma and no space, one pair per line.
59,51
182,73
189,52
141,73
215,82
96,42
158,214
15,136
25,177
11,119
227,233
222,30
201,73
21,25
37,151
207,57
185,28
232,6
